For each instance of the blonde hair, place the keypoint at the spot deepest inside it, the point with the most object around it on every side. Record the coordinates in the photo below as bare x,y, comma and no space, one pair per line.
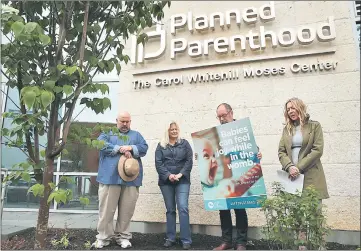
165,140
302,113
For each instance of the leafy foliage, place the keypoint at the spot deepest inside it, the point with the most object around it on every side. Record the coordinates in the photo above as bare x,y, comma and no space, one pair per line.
294,220
50,55
63,242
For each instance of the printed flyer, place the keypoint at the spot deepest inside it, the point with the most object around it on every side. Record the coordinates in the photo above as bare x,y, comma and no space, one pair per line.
230,172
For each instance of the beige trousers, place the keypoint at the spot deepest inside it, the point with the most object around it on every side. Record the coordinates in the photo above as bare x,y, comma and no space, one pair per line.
111,198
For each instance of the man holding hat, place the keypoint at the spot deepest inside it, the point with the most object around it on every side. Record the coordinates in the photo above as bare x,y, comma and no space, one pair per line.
120,175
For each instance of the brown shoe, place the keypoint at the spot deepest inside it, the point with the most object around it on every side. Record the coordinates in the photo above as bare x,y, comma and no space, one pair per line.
223,246
241,247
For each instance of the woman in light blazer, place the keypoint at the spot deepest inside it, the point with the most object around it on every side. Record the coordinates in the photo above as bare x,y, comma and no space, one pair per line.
301,147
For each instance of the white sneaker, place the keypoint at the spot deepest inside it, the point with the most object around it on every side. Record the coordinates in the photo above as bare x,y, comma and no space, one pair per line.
124,243
100,244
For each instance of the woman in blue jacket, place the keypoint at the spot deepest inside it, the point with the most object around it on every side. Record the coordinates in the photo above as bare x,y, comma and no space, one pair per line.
173,160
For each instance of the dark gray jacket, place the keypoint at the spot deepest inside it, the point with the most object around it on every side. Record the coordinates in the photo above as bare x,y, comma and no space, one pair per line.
173,160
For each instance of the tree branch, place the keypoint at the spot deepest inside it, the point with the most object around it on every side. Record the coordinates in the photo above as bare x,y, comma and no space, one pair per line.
77,92
78,113
52,126
11,99
36,144
62,30
12,142
5,74
83,38
23,111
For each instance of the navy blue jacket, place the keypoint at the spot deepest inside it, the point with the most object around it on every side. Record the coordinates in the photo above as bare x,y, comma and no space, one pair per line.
173,160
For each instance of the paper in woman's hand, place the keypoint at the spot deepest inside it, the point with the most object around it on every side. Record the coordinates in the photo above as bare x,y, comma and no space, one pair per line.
289,186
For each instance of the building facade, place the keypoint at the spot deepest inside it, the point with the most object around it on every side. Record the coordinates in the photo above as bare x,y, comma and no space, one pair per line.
252,55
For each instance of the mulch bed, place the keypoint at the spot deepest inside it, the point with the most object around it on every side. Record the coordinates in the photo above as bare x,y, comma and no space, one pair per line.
80,239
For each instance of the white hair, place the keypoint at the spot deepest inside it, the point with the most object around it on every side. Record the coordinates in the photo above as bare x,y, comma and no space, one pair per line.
165,140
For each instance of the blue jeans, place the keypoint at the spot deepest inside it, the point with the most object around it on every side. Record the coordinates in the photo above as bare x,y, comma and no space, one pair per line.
179,194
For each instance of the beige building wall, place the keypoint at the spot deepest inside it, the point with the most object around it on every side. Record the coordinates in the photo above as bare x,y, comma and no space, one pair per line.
332,96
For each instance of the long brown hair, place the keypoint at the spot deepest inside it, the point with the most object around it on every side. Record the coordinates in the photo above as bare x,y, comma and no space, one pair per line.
301,108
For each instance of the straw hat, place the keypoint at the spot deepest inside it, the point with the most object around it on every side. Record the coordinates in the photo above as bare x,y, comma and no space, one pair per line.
128,168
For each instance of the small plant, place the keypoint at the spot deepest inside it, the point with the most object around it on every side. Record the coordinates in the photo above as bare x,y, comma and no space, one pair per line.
87,245
64,241
294,221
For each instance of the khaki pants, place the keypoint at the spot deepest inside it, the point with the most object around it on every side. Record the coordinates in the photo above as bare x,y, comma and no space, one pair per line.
112,197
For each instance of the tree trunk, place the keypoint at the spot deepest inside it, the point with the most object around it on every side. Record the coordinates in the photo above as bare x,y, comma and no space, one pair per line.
43,215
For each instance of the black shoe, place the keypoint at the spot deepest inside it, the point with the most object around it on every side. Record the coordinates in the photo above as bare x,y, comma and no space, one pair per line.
168,243
186,246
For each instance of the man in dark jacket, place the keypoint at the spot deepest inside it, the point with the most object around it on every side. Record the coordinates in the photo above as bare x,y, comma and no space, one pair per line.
225,115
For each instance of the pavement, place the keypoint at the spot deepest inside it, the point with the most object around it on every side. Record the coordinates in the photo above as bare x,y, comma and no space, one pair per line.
15,222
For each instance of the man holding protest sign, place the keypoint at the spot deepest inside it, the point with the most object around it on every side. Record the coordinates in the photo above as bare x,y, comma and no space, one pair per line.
225,115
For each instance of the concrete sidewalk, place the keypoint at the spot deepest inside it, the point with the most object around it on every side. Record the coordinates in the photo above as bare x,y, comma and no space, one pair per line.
15,222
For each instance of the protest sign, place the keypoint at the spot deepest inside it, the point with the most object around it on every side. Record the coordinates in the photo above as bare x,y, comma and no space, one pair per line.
230,172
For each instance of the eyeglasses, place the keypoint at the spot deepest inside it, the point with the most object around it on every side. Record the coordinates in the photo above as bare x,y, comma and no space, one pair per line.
223,116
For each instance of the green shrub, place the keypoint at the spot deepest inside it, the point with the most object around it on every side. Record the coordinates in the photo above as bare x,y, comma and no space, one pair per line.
294,220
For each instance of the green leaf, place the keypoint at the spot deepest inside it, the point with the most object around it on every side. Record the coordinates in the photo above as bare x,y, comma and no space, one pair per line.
51,197
61,197
106,103
118,67
30,27
67,179
101,65
26,176
110,66
68,89
93,60
25,165
71,70
27,79
44,39
65,152
49,85
142,38
58,89
143,23
29,98
101,144
25,65
52,185
88,141
37,189
42,153
126,59
80,73
84,200
104,88
96,28
60,67
17,28
46,98
5,131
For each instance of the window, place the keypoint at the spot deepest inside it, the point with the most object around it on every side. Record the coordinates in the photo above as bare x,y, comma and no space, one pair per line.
80,157
82,186
357,9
